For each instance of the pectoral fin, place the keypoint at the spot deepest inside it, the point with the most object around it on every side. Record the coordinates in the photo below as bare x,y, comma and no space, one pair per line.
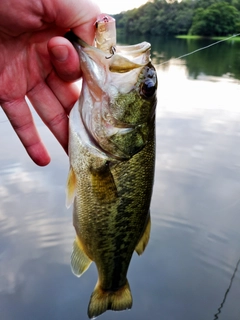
144,239
71,187
79,260
103,184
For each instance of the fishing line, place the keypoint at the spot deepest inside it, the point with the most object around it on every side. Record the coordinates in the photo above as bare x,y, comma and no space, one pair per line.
203,48
216,316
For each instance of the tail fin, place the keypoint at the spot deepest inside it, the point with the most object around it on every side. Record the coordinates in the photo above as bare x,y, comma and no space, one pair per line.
102,301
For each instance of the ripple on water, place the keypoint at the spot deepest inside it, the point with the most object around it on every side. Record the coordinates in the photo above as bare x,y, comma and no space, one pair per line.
210,247
173,222
33,222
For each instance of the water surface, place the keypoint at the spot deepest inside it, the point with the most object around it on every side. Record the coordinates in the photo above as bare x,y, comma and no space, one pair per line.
190,267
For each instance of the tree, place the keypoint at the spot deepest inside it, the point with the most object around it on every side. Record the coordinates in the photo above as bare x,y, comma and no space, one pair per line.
219,19
164,18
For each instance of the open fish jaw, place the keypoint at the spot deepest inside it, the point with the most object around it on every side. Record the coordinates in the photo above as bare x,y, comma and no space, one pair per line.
140,52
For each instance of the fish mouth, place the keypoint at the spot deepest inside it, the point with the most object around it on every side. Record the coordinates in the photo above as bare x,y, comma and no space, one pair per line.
122,59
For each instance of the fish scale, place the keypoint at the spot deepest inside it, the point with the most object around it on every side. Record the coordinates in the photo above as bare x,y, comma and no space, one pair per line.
112,156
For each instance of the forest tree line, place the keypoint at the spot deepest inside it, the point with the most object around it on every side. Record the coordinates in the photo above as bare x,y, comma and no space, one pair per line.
194,17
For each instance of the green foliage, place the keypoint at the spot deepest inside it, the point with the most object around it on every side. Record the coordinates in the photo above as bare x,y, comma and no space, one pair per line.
219,19
164,18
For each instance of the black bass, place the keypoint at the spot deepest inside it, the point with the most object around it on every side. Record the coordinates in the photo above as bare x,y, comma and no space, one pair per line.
112,154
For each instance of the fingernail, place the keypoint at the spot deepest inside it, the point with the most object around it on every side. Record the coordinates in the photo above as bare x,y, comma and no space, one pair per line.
60,52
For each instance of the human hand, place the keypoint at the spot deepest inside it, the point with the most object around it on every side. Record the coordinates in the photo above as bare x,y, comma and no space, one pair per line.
37,62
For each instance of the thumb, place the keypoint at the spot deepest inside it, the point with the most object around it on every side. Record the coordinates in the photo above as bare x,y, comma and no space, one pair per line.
64,58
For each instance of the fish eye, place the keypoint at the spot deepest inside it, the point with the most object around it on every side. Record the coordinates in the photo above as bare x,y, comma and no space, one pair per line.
148,88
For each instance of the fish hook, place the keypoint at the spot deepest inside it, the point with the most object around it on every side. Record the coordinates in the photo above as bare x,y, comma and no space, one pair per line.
112,51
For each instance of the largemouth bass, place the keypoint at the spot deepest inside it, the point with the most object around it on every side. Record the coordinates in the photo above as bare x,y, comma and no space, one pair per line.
112,154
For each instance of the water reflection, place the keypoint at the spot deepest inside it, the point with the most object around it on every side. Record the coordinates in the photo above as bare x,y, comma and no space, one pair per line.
221,60
186,269
31,221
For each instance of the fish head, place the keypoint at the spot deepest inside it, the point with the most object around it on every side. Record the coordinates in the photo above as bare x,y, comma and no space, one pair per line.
118,98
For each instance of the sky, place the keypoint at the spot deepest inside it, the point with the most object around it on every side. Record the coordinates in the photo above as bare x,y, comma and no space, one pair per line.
113,7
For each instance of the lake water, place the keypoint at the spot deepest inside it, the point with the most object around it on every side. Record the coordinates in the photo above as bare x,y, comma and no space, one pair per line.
190,267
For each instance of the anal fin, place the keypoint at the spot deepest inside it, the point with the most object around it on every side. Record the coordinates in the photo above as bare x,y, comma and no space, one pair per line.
79,260
144,239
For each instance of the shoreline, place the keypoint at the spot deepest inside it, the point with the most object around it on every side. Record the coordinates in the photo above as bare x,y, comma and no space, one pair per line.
195,37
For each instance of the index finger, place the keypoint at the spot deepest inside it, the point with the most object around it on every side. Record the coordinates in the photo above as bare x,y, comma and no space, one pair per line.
79,16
